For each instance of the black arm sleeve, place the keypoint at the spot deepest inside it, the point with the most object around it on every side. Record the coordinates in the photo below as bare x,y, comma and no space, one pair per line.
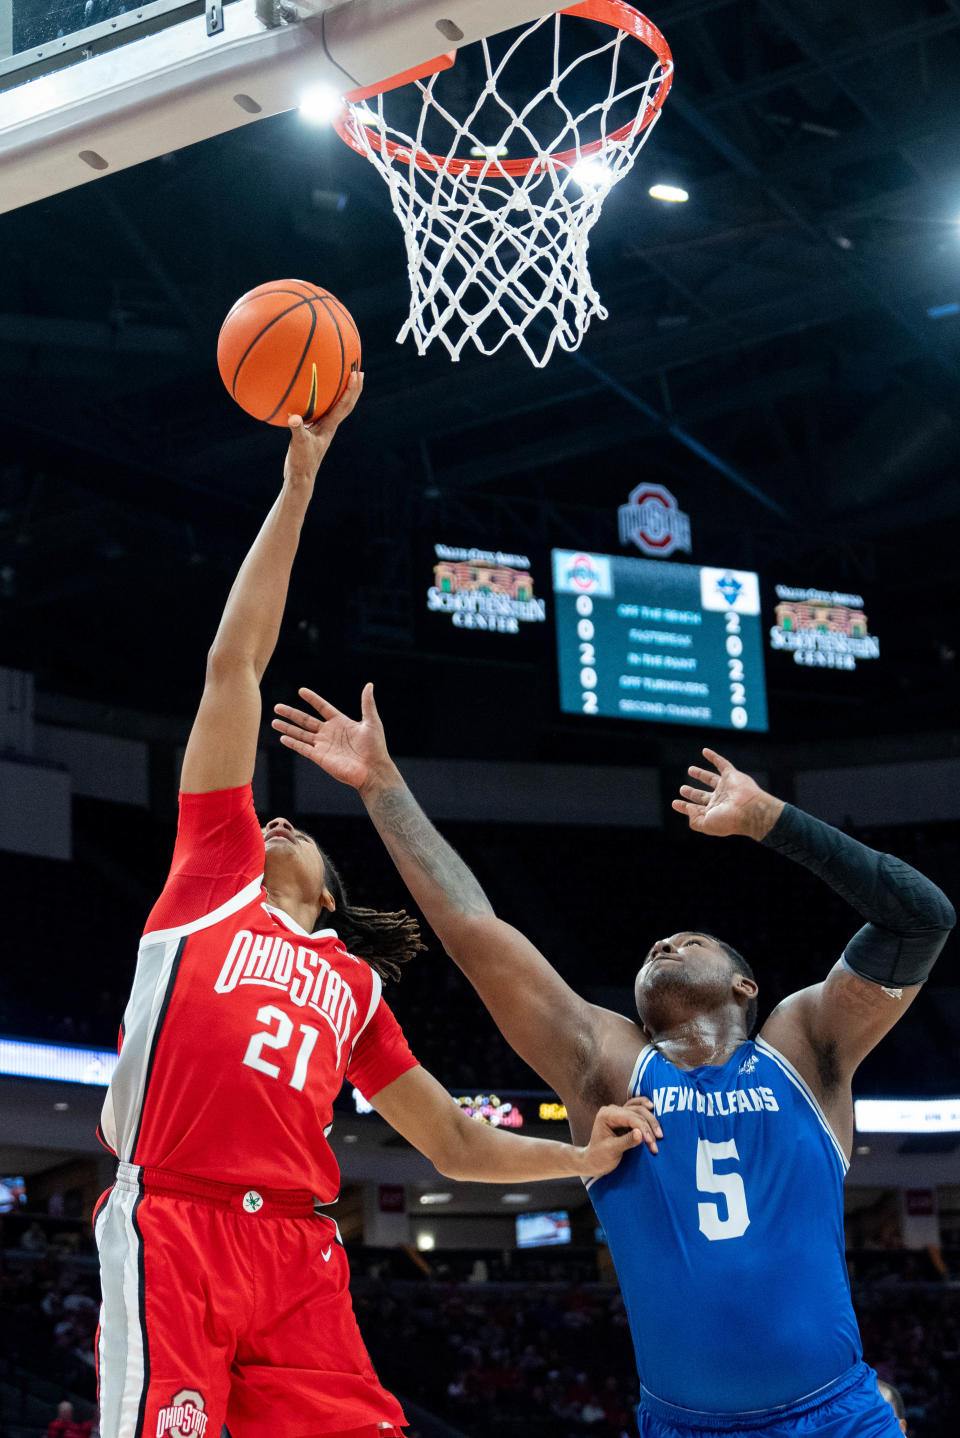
908,917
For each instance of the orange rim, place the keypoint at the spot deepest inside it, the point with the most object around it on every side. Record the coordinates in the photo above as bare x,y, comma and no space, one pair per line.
616,13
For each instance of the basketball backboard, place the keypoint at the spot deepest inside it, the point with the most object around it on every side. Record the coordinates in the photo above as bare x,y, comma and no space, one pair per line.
86,90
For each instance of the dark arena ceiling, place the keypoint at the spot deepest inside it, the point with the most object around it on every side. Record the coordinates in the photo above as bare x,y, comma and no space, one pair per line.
771,355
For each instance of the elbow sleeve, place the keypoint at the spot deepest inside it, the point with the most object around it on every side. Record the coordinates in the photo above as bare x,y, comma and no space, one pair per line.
895,961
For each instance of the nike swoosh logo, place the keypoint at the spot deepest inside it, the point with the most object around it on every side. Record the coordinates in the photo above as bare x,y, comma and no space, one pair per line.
326,1254
311,402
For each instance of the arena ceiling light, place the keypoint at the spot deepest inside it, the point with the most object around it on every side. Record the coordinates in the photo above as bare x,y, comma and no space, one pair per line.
321,104
428,1198
672,193
593,174
515,1198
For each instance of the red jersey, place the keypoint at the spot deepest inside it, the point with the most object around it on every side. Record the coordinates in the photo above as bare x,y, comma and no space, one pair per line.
241,1027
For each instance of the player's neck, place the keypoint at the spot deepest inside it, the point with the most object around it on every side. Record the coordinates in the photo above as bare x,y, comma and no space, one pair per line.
302,912
700,1039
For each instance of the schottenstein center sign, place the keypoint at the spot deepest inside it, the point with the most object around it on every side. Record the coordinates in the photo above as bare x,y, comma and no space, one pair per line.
652,520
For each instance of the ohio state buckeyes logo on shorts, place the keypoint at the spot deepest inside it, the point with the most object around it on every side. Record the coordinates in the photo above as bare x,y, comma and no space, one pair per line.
184,1416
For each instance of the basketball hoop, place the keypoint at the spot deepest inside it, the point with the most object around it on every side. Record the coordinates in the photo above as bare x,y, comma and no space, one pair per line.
498,246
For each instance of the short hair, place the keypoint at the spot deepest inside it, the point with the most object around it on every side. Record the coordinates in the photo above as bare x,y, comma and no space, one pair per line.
740,966
893,1396
383,940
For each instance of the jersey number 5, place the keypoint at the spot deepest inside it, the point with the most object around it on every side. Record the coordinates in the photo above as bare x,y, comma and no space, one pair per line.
253,1057
730,1185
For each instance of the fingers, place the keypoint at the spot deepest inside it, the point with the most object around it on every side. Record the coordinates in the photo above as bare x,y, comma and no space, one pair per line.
689,811
703,776
628,1115
335,416
717,760
295,731
297,745
297,716
695,796
637,1121
324,708
368,705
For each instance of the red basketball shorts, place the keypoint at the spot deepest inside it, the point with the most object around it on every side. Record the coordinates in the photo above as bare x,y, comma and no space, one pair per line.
225,1305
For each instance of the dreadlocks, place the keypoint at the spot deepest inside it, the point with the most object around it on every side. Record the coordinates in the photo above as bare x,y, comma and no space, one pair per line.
383,940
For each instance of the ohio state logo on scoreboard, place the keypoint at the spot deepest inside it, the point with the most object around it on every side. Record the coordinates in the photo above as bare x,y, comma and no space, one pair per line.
652,520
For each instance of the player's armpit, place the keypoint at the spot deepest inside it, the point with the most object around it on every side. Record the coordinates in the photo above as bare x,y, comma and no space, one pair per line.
827,1030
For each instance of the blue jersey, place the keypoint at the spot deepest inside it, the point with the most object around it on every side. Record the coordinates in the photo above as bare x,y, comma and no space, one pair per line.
728,1243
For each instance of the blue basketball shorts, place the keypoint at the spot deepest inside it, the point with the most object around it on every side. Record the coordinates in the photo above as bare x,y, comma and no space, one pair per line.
851,1407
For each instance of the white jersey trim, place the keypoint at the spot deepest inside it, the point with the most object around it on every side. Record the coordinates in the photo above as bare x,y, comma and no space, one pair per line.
239,901
643,1058
296,928
800,1083
121,1339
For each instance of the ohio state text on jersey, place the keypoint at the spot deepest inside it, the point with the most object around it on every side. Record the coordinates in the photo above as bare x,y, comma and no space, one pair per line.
241,1026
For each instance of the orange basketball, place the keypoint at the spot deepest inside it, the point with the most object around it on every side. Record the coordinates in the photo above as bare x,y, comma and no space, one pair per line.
285,348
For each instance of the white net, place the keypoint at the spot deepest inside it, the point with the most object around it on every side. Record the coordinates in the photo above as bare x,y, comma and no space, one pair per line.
497,247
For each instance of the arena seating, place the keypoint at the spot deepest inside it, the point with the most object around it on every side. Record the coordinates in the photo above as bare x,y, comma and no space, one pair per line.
542,1353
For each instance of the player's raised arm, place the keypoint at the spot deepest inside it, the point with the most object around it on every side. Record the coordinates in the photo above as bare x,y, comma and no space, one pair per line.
557,1032
460,1147
908,920
223,741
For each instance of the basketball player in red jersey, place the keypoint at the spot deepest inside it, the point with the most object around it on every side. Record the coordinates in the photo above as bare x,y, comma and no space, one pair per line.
224,1291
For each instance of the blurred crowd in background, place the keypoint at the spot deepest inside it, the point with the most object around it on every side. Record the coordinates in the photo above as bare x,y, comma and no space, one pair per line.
546,1357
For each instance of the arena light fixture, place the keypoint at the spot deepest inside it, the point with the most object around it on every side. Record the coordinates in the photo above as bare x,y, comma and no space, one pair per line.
907,1115
429,1198
592,175
321,104
672,193
426,1242
515,1198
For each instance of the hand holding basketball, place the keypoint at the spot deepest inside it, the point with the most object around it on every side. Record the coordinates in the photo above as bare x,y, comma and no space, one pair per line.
310,442
288,347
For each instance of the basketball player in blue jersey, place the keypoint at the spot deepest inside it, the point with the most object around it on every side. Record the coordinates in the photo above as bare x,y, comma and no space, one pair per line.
728,1241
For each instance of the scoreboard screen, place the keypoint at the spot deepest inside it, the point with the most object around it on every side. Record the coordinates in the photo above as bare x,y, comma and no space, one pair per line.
647,639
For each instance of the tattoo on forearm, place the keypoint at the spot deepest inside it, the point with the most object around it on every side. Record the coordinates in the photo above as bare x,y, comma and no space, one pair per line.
412,839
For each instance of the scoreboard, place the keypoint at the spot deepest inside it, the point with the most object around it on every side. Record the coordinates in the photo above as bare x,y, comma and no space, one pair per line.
669,643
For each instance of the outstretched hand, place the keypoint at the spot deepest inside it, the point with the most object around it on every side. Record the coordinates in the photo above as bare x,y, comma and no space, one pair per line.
351,750
617,1128
731,803
310,442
